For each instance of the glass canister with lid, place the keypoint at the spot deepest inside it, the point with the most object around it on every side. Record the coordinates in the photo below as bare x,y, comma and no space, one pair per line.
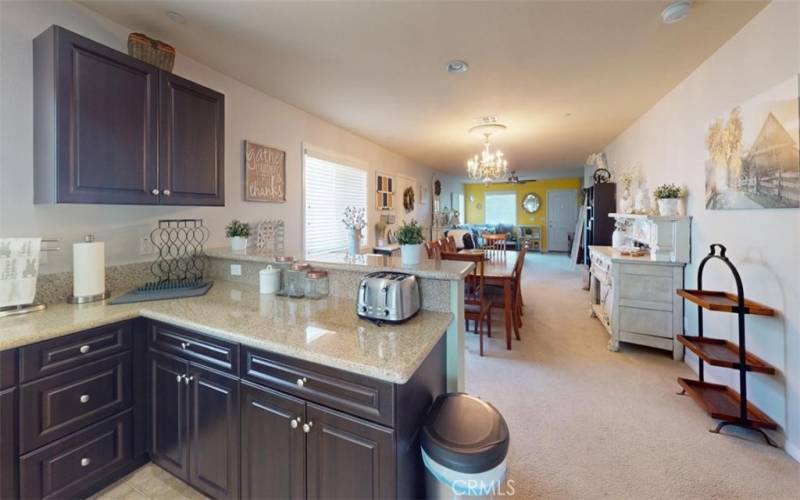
295,282
282,264
317,284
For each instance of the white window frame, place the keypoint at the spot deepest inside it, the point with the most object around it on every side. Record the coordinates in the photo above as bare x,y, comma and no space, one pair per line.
486,207
335,157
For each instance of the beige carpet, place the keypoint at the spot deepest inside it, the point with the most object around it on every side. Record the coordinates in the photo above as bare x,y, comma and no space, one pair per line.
589,423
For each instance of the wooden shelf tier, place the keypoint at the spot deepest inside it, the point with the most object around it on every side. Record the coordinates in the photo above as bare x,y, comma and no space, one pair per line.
724,301
719,352
722,403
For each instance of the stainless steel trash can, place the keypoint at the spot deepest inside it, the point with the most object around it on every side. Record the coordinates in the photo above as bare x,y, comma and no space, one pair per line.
464,445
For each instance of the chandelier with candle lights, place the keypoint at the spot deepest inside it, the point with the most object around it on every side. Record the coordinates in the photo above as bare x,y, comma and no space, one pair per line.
488,166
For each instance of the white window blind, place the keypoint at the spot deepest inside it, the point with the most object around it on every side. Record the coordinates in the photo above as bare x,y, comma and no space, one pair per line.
501,208
329,188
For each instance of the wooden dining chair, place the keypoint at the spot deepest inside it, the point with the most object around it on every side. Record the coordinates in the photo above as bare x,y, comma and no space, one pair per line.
477,306
433,249
497,298
495,244
449,244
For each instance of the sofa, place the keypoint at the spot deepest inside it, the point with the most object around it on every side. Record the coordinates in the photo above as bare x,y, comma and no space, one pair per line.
476,230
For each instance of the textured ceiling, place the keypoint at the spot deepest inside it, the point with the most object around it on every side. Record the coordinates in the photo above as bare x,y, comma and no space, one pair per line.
377,68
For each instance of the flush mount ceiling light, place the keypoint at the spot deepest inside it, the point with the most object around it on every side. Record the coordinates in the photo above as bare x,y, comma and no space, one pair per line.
176,17
676,11
488,166
457,66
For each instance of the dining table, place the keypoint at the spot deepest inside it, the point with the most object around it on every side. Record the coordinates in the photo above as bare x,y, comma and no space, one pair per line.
498,269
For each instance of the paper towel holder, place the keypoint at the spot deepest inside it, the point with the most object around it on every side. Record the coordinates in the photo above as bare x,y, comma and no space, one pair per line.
89,238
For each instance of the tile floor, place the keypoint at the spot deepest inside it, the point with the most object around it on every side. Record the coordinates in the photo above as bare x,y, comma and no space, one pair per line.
149,483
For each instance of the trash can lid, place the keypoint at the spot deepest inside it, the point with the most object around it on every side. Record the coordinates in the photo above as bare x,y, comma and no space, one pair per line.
465,434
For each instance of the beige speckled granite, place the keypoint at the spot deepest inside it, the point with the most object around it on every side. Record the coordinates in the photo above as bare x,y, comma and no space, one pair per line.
56,287
324,331
431,269
435,293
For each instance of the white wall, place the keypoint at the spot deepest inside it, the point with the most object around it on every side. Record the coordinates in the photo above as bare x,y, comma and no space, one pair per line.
249,114
667,144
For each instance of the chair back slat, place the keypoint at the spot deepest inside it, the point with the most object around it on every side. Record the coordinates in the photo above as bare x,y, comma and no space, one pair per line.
433,249
473,283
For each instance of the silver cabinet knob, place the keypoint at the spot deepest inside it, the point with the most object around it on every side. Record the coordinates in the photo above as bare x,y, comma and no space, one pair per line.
293,423
301,382
155,192
167,192
84,349
85,461
179,378
84,398
186,379
307,427
185,345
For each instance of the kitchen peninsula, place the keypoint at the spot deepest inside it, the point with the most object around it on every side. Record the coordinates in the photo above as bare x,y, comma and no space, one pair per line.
100,386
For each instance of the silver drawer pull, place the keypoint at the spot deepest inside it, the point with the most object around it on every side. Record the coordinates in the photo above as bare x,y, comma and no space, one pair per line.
185,345
186,379
84,349
301,382
293,423
84,398
167,192
307,427
155,192
85,462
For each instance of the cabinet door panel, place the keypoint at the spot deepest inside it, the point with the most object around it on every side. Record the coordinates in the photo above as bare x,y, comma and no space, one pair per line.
273,453
107,124
192,146
348,458
8,443
214,427
169,446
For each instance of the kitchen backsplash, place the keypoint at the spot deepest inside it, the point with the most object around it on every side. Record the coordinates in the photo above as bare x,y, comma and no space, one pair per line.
56,287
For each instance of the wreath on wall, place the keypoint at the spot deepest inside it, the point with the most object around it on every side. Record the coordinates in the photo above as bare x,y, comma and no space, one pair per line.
437,187
408,199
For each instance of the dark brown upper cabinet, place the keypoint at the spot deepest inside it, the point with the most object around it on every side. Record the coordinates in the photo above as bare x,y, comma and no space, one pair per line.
109,128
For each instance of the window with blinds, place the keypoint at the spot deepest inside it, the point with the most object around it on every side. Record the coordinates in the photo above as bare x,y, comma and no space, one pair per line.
501,208
329,186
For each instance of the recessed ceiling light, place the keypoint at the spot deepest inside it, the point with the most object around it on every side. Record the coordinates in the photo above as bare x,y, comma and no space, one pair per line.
176,17
567,115
457,66
676,11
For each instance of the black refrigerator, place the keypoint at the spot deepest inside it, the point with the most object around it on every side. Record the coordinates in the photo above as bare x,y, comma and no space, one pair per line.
600,201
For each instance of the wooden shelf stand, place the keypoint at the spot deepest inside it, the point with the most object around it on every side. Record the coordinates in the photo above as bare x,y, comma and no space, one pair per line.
720,401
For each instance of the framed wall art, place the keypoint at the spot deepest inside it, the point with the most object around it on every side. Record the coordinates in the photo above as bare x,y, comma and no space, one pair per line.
264,173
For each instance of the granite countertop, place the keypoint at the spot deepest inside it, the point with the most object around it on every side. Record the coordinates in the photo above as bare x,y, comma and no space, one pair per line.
616,256
325,331
367,263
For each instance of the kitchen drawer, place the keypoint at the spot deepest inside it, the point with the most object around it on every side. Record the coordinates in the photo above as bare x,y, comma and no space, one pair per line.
63,403
71,466
8,369
646,321
53,356
210,351
354,394
647,288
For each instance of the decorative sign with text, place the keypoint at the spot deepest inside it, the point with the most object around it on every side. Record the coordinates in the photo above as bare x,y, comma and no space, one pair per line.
264,173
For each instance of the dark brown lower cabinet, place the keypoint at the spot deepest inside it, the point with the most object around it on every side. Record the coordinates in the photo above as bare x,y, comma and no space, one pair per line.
169,424
8,443
273,444
214,430
348,458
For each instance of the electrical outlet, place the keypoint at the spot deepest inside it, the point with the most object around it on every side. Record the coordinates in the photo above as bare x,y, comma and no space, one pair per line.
236,269
42,258
145,246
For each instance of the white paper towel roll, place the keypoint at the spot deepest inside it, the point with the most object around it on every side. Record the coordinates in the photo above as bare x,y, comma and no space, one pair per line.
88,269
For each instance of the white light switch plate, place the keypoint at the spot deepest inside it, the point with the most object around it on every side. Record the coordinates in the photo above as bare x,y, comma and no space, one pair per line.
236,269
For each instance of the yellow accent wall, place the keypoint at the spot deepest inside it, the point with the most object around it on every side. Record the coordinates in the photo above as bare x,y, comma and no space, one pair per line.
474,194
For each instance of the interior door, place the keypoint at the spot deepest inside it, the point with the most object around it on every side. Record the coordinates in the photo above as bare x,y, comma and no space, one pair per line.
562,213
273,444
192,146
107,124
214,429
348,458
169,445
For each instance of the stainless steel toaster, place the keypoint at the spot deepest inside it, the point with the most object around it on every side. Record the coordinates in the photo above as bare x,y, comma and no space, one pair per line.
388,296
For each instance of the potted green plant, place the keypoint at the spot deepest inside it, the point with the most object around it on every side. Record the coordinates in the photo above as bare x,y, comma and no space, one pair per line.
667,196
238,232
409,236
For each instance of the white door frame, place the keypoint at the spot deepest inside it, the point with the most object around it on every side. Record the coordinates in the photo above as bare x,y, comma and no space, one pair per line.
547,215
